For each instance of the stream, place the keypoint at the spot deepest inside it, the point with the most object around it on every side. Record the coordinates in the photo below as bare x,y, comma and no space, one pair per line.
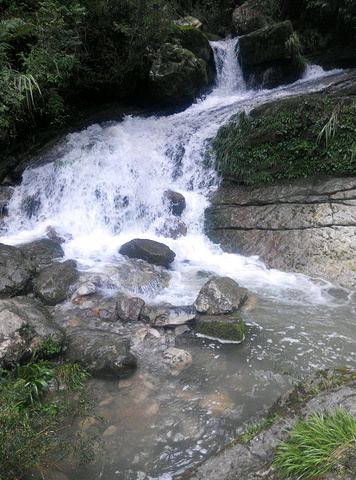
104,186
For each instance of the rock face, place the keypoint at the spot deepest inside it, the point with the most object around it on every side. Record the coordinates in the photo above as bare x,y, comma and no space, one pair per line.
52,284
128,308
177,359
102,354
225,328
177,75
152,252
15,271
220,296
269,56
307,227
24,325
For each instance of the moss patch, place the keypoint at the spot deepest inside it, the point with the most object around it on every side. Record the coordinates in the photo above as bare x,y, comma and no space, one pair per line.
287,139
225,328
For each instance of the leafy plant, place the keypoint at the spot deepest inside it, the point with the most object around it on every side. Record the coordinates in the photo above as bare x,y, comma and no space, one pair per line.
34,421
316,445
329,129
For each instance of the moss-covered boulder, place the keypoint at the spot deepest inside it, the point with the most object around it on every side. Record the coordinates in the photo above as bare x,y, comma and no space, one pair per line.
224,328
271,56
249,17
290,138
177,75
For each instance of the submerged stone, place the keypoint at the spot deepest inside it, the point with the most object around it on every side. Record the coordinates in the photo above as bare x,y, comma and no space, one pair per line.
224,328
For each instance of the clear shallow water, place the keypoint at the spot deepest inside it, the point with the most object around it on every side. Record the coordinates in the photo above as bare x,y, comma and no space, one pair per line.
104,186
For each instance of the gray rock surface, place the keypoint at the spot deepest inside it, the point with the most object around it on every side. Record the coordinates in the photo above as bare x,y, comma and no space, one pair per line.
308,226
42,252
104,355
220,296
16,271
53,282
129,307
24,325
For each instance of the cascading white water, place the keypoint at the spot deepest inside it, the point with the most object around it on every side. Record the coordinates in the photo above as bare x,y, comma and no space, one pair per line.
106,186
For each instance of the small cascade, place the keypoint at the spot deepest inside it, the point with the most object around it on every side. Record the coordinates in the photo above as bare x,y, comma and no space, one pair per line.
228,70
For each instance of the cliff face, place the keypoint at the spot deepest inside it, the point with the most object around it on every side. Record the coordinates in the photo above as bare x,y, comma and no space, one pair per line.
308,227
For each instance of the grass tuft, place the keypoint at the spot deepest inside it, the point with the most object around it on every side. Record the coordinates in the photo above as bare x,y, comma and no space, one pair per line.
316,445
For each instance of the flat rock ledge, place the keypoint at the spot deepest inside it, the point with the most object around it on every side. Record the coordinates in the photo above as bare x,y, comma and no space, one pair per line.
252,460
308,226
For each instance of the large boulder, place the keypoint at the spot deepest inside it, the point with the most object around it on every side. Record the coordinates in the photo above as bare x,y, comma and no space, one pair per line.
248,17
25,325
16,271
224,328
271,56
152,252
191,38
220,296
104,355
177,75
42,252
52,284
166,315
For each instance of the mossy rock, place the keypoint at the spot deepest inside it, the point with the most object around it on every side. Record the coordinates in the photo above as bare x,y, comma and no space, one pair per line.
224,328
289,139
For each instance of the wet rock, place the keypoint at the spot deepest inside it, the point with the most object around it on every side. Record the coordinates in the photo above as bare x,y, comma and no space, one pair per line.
104,355
152,252
58,236
166,315
189,21
6,193
139,336
128,307
173,228
269,56
225,328
306,226
52,284
16,271
106,310
176,75
42,252
220,296
139,277
84,289
176,202
24,326
177,359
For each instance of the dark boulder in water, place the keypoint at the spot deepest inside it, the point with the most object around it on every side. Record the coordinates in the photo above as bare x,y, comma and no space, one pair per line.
152,252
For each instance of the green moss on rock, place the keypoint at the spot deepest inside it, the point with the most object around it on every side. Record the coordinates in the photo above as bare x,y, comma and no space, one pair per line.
287,139
225,328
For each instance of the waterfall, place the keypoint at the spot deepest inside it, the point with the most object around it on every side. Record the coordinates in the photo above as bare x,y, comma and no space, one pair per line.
105,185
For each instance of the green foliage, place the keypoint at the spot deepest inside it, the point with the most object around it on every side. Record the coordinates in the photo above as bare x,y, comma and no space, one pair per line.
49,348
316,445
35,418
284,140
